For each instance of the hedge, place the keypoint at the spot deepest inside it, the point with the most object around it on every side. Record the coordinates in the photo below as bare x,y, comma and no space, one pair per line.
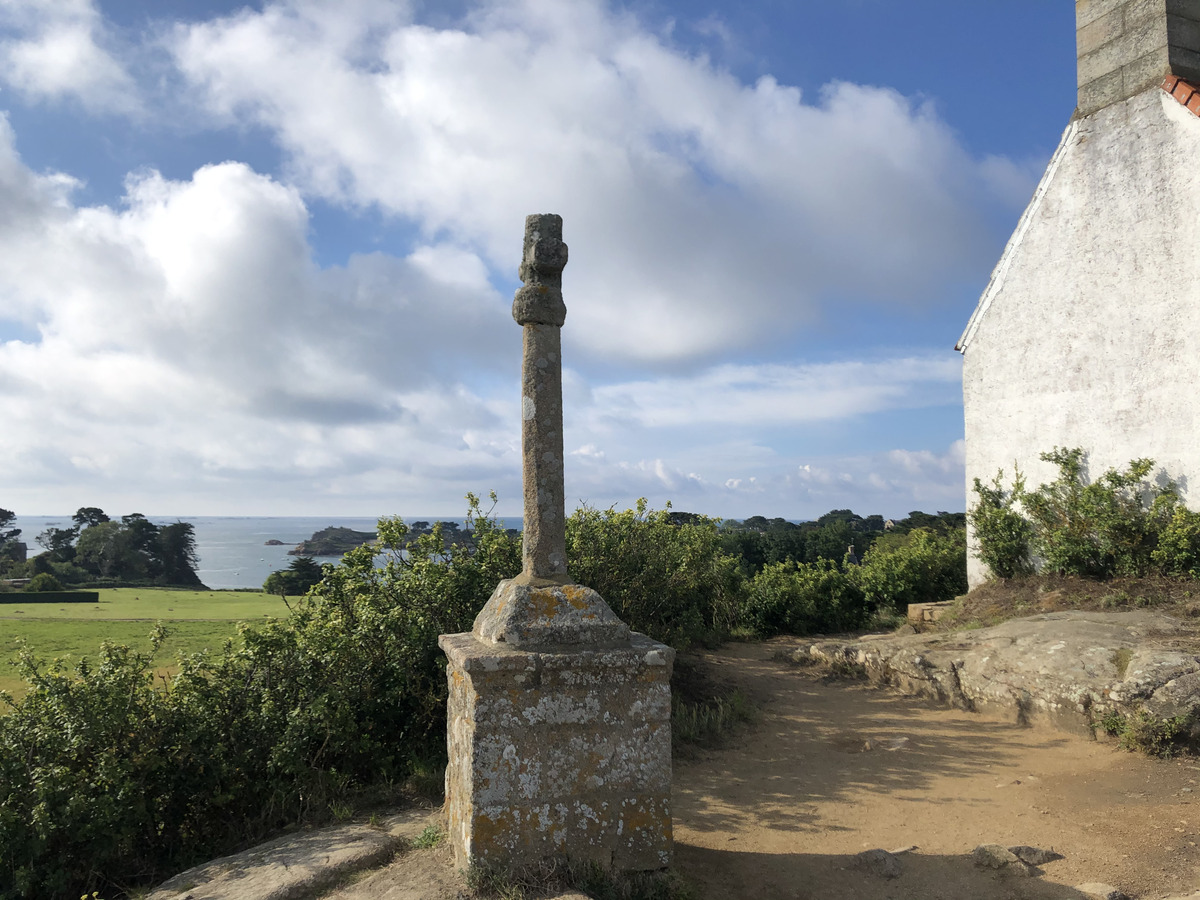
50,597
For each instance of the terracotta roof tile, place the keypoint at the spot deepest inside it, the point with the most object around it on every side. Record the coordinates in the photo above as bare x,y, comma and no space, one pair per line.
1185,92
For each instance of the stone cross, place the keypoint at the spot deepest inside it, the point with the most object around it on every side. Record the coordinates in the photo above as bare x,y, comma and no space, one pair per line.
539,309
559,718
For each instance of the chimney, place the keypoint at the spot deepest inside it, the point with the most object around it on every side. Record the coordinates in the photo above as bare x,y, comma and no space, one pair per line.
1126,46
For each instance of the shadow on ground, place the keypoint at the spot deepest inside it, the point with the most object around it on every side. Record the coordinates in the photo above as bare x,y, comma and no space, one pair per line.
801,876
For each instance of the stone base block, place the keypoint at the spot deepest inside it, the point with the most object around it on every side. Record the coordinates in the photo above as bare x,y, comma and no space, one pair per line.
559,752
919,613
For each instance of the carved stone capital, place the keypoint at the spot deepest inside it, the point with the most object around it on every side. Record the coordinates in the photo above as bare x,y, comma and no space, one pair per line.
540,301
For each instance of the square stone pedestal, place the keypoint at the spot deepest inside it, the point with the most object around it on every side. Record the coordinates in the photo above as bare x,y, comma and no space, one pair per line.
559,753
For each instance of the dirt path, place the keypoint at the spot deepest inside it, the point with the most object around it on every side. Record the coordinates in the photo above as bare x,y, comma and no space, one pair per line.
832,769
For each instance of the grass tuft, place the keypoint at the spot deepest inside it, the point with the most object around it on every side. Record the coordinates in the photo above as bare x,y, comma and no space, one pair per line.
710,721
704,711
429,838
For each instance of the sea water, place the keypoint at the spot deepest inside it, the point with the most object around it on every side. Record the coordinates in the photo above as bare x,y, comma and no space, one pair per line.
233,550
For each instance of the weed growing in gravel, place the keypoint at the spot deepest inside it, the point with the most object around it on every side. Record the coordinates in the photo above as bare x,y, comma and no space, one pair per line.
429,838
1121,658
1145,732
709,721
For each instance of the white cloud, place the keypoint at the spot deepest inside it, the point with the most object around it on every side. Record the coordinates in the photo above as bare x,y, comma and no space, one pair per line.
892,482
779,395
183,343
704,214
727,439
885,483
56,49
187,339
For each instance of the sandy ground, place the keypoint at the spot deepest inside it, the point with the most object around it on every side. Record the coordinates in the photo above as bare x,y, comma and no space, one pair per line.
830,769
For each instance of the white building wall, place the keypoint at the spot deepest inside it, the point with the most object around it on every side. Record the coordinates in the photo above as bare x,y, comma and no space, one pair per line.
1089,334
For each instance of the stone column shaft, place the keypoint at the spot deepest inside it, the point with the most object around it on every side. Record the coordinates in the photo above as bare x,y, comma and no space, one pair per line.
539,309
545,540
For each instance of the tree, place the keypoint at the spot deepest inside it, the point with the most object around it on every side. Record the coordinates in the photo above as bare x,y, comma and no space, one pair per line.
39,565
831,540
306,571
59,542
839,515
8,539
278,583
296,579
685,518
140,548
135,549
7,517
177,554
87,516
99,549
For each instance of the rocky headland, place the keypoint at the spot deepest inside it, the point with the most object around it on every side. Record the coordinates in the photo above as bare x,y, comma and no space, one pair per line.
332,541
336,541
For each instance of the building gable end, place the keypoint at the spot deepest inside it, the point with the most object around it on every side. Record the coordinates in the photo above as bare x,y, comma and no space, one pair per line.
996,282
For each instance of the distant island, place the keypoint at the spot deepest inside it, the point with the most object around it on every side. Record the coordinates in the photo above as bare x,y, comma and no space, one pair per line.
336,541
332,541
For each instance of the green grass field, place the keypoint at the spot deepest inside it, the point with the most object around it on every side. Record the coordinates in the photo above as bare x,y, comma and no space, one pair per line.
194,619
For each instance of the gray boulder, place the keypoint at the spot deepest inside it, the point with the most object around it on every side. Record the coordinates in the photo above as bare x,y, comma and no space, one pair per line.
879,862
1101,891
994,856
1034,856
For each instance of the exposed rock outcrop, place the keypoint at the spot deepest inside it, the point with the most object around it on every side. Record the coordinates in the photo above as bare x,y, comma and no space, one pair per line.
1067,669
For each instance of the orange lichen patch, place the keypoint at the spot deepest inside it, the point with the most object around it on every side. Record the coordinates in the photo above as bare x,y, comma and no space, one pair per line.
1184,92
490,834
544,602
576,595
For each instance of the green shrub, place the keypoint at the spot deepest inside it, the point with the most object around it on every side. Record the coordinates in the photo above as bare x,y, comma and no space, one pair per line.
1003,534
670,581
803,598
69,573
107,781
43,582
1144,732
1119,524
1100,528
927,568
1178,550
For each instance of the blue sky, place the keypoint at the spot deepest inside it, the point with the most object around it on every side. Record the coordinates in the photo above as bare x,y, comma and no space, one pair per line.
259,260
